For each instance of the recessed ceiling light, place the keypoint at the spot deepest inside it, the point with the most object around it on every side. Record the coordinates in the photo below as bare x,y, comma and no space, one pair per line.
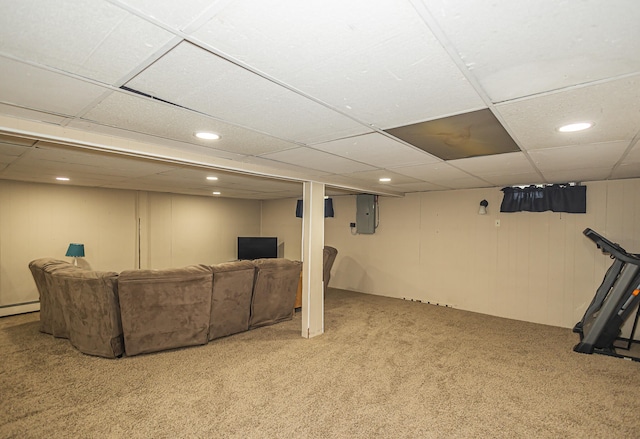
216,193
212,178
575,127
62,178
384,180
207,135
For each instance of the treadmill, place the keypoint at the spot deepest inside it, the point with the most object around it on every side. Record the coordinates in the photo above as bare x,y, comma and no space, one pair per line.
614,302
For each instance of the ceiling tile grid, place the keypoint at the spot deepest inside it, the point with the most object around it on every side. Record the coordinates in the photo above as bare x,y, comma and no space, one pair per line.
93,39
518,49
322,161
377,150
132,113
596,155
177,15
313,101
613,107
45,90
195,78
376,61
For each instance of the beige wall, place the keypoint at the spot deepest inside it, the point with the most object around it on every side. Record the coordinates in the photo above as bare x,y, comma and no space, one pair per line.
279,219
434,247
180,230
430,246
40,220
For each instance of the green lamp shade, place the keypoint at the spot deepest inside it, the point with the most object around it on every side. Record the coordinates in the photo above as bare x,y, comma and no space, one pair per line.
75,250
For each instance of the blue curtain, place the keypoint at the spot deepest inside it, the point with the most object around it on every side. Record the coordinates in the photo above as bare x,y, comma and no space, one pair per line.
555,197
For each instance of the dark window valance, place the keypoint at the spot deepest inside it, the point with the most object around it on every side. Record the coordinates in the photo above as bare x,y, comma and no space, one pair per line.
328,208
555,197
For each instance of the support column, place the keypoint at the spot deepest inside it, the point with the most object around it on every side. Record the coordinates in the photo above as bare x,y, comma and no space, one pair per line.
312,245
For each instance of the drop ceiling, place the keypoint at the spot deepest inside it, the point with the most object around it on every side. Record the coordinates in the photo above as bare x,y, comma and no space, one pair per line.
110,94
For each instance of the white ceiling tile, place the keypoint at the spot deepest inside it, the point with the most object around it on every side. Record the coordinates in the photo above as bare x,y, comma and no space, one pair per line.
634,154
598,155
194,78
518,49
372,178
614,107
23,113
630,165
55,160
342,51
431,172
132,113
377,150
418,187
175,14
465,183
281,166
45,90
515,179
577,175
16,141
310,158
180,146
93,39
627,170
9,153
497,164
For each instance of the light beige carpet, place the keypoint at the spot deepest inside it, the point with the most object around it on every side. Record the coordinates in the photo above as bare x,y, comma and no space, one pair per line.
385,368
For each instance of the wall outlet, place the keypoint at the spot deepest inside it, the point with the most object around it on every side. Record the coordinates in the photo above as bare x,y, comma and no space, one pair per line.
497,223
352,224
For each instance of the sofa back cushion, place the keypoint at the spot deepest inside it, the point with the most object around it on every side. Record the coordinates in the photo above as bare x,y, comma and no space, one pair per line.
274,291
328,258
52,319
231,298
165,309
89,300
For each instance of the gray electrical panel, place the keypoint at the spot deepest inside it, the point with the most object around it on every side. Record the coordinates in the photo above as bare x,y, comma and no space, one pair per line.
366,213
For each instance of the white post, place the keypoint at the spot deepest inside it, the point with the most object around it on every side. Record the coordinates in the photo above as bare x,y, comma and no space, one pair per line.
312,245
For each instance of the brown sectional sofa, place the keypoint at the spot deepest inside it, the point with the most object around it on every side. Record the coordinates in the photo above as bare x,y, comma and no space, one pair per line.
142,311
80,305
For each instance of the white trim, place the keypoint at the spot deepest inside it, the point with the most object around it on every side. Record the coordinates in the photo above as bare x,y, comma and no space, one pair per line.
19,309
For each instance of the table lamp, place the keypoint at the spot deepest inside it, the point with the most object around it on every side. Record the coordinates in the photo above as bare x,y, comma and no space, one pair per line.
75,251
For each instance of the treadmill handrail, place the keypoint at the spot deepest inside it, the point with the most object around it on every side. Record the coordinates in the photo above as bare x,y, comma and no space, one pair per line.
609,247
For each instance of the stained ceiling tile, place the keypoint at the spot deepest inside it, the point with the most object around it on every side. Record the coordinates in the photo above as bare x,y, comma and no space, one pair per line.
465,135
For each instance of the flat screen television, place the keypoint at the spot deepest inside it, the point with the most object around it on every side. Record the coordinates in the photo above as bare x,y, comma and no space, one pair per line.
257,247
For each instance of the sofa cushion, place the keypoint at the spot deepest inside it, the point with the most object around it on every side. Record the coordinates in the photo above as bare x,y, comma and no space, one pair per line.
91,309
274,291
51,313
165,309
231,298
